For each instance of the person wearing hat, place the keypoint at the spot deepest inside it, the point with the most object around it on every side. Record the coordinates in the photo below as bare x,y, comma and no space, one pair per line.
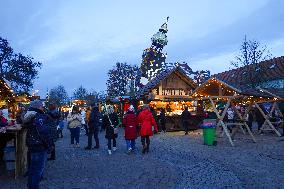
130,123
38,141
147,121
94,127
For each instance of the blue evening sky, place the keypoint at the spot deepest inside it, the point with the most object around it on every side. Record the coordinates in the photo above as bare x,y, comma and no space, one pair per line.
79,41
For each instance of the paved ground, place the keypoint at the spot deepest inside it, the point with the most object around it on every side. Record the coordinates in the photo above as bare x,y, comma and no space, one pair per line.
175,161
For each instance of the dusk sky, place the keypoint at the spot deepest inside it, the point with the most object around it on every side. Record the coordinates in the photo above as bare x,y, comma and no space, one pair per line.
79,41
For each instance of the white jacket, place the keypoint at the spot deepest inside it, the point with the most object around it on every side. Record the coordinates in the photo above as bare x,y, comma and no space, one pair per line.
74,120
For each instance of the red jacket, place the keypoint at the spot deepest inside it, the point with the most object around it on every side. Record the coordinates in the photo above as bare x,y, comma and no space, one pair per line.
130,123
146,120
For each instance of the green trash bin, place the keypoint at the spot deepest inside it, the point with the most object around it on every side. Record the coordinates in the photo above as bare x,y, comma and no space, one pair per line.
209,135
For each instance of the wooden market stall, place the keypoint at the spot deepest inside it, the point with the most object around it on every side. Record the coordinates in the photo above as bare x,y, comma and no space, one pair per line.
171,90
8,101
214,91
269,107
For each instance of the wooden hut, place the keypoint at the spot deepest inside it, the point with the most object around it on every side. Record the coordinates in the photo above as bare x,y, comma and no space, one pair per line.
171,90
232,87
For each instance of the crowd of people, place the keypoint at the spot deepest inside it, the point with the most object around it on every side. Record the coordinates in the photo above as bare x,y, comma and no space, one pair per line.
94,121
45,125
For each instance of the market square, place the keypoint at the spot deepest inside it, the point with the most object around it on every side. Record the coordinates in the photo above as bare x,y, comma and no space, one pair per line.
107,95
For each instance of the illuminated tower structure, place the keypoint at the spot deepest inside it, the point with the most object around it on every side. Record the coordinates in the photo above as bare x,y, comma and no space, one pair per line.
153,59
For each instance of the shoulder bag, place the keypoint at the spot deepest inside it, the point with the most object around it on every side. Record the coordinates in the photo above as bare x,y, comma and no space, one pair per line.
115,129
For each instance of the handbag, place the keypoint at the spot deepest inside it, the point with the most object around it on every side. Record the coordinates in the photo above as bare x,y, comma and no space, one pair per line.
115,129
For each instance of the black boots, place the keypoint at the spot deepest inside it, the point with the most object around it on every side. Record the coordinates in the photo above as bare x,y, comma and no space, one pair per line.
88,148
145,149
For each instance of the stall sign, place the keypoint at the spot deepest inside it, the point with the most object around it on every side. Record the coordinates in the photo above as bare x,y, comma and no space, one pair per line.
172,92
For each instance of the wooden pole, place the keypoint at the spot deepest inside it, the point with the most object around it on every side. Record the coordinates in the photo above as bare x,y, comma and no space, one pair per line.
266,121
220,122
244,122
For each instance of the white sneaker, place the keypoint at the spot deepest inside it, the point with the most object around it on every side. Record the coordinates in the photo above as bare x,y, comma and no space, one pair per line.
109,152
114,149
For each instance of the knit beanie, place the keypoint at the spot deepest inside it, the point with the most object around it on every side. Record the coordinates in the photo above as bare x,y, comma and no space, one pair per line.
36,104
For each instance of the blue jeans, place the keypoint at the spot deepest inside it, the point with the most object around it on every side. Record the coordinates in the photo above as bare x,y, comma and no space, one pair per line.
36,168
130,144
75,134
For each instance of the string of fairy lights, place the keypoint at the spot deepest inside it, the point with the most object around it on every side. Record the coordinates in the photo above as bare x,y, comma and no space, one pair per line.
203,93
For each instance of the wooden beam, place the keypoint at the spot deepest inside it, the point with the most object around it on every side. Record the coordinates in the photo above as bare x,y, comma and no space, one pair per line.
220,122
220,91
243,119
267,121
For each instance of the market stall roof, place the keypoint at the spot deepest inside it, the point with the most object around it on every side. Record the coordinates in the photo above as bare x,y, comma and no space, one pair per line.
274,70
163,75
237,81
218,89
215,87
277,93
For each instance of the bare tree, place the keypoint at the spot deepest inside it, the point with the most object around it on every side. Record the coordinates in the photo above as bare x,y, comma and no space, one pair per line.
58,95
251,54
80,93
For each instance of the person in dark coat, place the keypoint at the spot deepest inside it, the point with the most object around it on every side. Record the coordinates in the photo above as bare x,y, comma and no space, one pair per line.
110,121
94,127
185,118
130,123
163,120
38,141
53,119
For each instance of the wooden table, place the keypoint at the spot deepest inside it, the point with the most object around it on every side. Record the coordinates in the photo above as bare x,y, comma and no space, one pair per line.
21,149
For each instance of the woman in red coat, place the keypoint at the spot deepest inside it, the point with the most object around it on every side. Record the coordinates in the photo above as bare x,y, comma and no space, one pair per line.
146,121
130,124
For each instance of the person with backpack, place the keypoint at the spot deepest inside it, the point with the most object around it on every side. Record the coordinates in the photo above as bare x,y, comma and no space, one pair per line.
38,140
94,127
74,124
130,123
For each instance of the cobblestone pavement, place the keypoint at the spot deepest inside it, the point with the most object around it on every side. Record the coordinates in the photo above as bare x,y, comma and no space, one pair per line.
174,161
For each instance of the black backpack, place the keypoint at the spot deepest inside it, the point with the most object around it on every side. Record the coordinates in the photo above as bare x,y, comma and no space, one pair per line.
39,134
